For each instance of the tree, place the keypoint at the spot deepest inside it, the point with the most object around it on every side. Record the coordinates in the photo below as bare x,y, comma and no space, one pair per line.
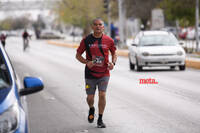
20,22
11,23
114,9
6,24
182,10
140,8
80,12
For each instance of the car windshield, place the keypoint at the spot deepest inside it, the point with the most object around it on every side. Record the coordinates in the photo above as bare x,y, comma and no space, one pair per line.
158,40
4,75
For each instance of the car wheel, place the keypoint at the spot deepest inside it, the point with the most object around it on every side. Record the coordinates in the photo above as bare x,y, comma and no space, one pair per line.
139,68
132,66
172,67
182,68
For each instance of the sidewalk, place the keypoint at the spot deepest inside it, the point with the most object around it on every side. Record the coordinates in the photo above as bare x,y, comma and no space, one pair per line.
192,60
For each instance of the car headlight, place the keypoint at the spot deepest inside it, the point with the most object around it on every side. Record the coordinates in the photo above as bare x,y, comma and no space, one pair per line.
145,53
9,120
180,53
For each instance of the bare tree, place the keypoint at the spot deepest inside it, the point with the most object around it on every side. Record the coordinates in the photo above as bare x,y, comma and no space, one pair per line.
140,8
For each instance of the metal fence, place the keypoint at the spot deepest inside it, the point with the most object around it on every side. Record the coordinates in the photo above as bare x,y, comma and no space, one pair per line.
189,45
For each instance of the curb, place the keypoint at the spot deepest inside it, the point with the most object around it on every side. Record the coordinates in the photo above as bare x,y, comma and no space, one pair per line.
192,64
189,63
74,45
70,45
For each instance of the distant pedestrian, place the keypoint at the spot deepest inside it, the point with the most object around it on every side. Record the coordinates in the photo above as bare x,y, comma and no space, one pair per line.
3,39
37,33
97,46
113,31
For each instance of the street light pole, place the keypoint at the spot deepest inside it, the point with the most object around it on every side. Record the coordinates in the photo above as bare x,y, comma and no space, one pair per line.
109,18
108,13
197,25
121,22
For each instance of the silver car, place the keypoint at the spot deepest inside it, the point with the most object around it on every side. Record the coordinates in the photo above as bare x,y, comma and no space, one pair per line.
156,48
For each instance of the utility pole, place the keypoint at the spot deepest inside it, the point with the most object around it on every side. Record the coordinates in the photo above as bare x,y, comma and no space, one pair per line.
107,11
197,25
121,22
109,18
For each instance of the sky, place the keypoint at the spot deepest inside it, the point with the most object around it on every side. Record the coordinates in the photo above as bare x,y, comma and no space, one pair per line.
20,0
32,13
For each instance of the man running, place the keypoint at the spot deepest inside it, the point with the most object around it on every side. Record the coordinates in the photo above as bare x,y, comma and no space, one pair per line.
97,46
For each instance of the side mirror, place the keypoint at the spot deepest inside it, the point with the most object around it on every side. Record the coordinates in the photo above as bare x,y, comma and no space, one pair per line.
32,85
134,45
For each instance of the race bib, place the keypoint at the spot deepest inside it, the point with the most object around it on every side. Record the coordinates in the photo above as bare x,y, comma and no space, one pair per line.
98,60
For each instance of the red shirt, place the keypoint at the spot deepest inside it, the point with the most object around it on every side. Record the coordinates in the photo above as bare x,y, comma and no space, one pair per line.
100,69
2,37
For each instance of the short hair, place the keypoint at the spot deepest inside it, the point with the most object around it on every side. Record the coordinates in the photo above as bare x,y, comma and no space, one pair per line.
96,20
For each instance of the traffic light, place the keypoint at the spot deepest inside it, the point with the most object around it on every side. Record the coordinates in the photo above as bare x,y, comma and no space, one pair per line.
106,5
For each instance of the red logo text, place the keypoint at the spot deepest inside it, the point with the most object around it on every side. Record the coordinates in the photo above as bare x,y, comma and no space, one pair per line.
148,81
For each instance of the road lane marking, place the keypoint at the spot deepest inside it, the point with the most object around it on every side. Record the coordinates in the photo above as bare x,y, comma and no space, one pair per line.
47,96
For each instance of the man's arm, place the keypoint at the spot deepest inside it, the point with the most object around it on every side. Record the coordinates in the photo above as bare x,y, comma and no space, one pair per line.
80,58
114,58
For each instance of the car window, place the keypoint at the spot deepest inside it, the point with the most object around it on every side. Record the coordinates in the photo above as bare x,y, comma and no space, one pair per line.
5,80
155,40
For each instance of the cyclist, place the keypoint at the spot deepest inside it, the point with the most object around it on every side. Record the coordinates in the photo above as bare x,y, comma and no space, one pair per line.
3,39
25,37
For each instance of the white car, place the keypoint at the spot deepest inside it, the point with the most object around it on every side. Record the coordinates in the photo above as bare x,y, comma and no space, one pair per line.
51,35
156,48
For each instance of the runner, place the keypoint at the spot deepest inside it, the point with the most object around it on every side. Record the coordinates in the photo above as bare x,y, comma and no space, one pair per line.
97,46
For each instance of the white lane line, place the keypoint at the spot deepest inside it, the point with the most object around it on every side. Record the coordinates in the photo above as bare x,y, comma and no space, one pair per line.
46,95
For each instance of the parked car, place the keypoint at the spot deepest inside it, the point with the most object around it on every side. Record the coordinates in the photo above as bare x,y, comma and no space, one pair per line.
172,29
51,35
156,48
13,118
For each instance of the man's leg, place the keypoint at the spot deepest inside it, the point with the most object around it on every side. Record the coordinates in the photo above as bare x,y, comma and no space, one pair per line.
24,44
90,100
102,104
102,86
102,101
90,90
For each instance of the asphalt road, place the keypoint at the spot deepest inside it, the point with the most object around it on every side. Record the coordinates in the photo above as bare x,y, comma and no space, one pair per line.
171,106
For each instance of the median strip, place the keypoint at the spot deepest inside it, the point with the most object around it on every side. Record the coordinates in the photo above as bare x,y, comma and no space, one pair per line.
192,64
63,44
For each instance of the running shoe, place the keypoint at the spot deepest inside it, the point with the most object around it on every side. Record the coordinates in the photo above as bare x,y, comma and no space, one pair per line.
100,124
91,115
